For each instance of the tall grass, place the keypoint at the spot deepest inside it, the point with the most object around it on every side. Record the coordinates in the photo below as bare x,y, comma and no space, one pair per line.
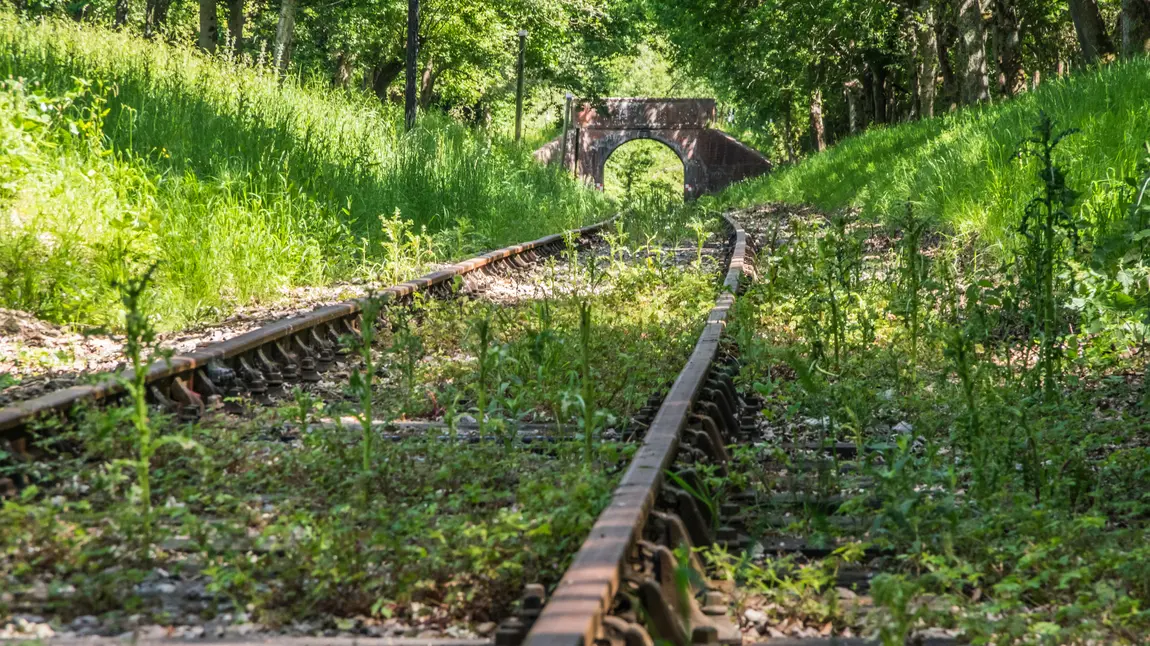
238,184
962,169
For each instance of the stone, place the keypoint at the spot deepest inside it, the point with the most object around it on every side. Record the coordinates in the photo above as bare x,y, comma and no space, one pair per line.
755,617
85,622
903,427
485,628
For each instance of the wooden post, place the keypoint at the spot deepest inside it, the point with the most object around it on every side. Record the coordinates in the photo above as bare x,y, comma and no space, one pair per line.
519,86
412,56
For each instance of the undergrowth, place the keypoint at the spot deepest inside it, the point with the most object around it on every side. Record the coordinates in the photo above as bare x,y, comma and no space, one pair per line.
238,185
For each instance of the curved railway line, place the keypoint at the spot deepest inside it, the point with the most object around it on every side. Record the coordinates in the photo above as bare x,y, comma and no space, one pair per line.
628,584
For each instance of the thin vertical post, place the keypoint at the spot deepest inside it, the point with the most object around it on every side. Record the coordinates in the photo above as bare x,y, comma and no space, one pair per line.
566,127
519,86
412,57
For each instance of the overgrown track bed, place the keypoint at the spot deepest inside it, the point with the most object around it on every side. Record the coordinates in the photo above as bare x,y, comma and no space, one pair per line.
295,348
907,478
631,556
278,514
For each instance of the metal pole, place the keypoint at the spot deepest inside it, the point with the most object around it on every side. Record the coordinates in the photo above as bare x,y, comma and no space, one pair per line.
412,57
519,86
566,128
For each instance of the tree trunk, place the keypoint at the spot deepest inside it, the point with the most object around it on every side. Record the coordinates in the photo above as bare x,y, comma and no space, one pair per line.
209,25
944,33
382,76
1008,47
343,69
866,98
851,90
121,13
972,36
427,83
787,130
155,15
818,129
927,60
1135,27
878,90
1095,42
285,31
236,23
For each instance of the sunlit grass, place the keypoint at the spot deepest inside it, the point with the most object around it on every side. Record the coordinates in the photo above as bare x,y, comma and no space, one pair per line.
240,186
962,169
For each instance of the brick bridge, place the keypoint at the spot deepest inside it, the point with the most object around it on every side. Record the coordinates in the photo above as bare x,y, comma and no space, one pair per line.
711,159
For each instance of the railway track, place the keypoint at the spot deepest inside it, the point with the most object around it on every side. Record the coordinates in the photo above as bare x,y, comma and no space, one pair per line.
296,349
695,416
637,579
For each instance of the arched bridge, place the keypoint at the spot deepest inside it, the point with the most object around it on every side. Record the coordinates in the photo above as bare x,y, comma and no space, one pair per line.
711,158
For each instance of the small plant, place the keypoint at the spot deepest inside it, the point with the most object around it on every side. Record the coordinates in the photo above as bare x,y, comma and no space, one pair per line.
483,334
588,394
362,379
140,350
912,273
699,227
1048,227
407,349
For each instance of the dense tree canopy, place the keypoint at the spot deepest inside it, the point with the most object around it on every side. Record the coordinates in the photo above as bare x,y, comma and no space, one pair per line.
795,75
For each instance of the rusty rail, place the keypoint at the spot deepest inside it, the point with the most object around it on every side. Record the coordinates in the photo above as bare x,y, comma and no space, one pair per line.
577,612
293,348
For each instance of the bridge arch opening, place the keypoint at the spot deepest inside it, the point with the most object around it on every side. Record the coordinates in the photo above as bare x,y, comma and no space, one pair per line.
644,168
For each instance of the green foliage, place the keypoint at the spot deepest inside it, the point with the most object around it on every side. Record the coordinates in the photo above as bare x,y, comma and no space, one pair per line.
239,185
1010,515
962,171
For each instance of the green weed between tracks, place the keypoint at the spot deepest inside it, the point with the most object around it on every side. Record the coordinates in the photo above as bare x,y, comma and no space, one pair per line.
239,186
999,417
269,513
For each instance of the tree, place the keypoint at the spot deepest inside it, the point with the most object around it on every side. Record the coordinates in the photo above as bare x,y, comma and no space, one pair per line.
155,15
209,25
285,32
236,23
975,84
1008,46
927,63
1135,23
1092,37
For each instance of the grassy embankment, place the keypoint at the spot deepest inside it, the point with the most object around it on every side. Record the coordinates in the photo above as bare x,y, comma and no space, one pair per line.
963,170
237,185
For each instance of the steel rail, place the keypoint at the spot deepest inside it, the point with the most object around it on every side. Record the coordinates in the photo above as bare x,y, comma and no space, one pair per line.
248,349
574,614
